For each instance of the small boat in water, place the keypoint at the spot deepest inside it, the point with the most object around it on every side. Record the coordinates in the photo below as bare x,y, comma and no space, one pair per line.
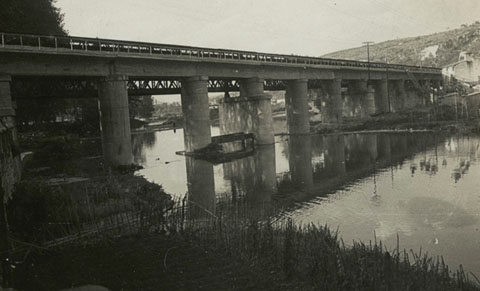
225,148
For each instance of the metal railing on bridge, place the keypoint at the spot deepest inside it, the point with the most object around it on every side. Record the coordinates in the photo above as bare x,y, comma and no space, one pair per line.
107,46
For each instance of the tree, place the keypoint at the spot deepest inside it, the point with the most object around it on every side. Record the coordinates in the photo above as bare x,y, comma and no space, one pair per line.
31,16
141,106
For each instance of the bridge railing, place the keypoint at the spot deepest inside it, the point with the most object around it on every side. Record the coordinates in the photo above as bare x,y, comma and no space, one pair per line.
81,44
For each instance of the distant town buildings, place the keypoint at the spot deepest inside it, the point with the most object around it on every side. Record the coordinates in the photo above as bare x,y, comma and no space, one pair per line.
466,69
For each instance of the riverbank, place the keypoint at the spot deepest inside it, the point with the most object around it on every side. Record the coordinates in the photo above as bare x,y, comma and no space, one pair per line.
441,119
233,254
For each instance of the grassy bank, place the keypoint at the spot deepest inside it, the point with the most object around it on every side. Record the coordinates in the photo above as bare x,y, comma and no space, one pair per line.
237,254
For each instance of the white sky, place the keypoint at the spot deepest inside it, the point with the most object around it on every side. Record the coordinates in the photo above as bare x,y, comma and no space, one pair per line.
304,27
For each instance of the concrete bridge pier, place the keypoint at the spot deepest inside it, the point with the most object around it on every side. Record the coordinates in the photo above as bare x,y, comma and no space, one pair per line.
296,103
414,94
354,93
334,104
10,169
382,102
364,96
369,101
7,108
249,113
397,95
115,120
196,113
436,84
427,88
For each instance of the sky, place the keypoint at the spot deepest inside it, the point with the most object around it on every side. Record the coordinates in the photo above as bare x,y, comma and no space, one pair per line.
302,27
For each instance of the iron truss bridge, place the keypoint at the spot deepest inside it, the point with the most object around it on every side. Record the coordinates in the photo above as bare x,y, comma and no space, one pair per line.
66,87
95,46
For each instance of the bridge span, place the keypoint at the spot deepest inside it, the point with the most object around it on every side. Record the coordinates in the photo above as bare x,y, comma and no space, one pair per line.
37,66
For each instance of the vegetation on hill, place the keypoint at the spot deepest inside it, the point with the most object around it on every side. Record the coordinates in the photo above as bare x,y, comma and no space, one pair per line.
437,49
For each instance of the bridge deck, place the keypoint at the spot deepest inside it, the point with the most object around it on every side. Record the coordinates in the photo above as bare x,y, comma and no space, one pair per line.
119,48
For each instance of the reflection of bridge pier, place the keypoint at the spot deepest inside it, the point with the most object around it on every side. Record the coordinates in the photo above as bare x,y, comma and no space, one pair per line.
362,150
335,155
253,177
300,161
384,148
201,187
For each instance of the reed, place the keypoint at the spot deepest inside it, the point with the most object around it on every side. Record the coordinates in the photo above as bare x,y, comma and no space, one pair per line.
316,256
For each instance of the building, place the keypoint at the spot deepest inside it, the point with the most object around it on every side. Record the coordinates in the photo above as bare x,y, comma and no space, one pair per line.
466,69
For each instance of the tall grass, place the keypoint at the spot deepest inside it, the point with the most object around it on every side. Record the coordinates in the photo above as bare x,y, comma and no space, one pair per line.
313,256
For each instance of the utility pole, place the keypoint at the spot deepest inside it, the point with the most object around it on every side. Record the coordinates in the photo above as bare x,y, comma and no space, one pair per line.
388,86
368,56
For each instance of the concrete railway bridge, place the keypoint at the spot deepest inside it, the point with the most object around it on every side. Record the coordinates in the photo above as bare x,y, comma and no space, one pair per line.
36,66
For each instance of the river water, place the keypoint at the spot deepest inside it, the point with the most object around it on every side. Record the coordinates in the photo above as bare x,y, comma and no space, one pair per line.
423,187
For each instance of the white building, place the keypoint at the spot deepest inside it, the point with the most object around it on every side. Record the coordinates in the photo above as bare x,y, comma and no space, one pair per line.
466,69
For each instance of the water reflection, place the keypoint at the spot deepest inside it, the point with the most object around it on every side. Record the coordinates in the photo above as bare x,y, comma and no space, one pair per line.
201,187
140,142
300,162
422,186
253,179
335,156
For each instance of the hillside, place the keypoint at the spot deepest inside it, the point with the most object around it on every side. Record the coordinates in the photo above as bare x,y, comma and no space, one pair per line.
437,49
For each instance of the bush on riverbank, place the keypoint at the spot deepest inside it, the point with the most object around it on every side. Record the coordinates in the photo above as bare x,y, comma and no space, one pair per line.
40,212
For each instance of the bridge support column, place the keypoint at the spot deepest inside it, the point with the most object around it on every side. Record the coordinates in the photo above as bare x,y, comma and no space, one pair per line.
6,104
196,113
435,90
402,95
115,121
369,101
362,97
398,95
427,90
249,113
413,94
296,103
10,165
382,102
334,106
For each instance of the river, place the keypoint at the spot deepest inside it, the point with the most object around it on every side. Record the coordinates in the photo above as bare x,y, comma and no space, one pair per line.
422,187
